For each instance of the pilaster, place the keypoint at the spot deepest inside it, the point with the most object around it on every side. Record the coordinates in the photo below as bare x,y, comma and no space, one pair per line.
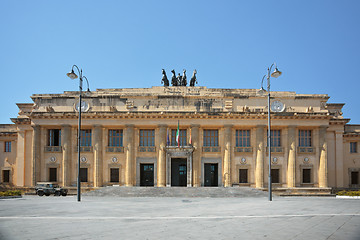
291,173
259,168
129,151
323,157
196,155
67,153
161,173
98,156
227,156
36,148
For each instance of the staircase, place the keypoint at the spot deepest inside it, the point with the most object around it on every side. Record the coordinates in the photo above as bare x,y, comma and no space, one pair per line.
212,192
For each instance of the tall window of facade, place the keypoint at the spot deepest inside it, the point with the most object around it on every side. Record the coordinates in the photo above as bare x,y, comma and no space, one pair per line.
353,147
54,137
275,175
182,137
85,138
147,137
6,176
83,174
243,176
305,139
52,174
242,138
211,138
115,138
7,146
275,136
306,175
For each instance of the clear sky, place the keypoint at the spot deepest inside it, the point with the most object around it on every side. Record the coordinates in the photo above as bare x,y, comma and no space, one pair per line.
125,44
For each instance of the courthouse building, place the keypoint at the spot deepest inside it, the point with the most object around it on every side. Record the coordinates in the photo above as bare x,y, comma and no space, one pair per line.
128,138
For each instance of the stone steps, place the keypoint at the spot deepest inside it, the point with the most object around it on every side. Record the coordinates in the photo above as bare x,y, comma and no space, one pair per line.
212,192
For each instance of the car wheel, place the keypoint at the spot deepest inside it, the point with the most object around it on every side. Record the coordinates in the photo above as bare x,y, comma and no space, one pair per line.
47,194
64,194
40,193
57,194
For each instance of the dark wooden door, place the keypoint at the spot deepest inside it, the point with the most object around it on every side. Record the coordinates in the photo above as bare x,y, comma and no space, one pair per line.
147,175
211,174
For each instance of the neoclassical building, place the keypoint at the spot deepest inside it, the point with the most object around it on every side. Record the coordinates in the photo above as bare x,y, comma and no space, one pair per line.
128,138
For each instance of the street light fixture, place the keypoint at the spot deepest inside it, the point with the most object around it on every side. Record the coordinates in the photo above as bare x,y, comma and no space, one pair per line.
274,74
73,76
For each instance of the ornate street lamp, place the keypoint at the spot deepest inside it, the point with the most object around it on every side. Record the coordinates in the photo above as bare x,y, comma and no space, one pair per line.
73,76
274,74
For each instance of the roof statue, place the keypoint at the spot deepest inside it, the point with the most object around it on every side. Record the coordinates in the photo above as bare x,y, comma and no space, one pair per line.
178,80
164,79
193,79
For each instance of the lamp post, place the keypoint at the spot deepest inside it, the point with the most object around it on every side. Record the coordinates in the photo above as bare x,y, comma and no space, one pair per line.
73,76
274,74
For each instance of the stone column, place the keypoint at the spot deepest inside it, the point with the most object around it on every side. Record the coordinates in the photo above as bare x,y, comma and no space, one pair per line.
129,151
161,168
292,157
339,159
20,158
227,155
98,182
196,161
36,148
323,158
67,153
259,168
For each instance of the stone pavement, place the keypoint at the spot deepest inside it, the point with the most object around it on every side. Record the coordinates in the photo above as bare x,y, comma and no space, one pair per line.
112,217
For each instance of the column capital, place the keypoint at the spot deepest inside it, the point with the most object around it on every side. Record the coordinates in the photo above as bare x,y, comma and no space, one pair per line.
292,126
162,125
65,125
194,125
261,126
228,125
97,125
129,125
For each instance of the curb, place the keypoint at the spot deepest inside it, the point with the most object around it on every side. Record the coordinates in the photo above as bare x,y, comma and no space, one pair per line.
348,197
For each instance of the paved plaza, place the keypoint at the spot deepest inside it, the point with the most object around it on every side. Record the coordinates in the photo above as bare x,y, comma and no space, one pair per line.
109,217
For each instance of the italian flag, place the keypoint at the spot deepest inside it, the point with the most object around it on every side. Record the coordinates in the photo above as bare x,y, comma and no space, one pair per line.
178,135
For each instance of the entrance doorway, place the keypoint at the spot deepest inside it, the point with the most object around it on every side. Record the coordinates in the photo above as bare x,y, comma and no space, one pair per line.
211,174
147,175
178,172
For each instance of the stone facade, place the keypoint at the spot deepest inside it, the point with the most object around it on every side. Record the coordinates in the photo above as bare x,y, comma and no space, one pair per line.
223,140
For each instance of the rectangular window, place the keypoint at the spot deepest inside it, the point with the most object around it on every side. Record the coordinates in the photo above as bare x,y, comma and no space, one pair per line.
85,138
7,147
114,175
306,175
275,138
354,178
353,147
243,176
83,174
275,177
52,174
305,138
182,137
54,137
147,137
6,176
242,138
211,138
115,138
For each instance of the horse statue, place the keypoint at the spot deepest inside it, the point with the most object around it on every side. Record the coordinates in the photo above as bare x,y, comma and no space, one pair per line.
183,79
193,79
174,81
164,79
179,79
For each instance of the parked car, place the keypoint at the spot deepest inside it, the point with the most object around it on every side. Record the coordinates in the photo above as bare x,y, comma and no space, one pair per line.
47,188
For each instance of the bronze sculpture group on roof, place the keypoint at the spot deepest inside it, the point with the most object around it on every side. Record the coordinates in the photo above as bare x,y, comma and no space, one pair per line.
178,80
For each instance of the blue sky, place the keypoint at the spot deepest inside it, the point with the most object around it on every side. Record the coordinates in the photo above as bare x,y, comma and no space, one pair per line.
125,44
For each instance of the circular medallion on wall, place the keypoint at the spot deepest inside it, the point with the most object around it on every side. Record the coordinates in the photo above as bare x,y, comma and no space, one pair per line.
83,159
114,159
243,160
52,159
275,160
306,160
